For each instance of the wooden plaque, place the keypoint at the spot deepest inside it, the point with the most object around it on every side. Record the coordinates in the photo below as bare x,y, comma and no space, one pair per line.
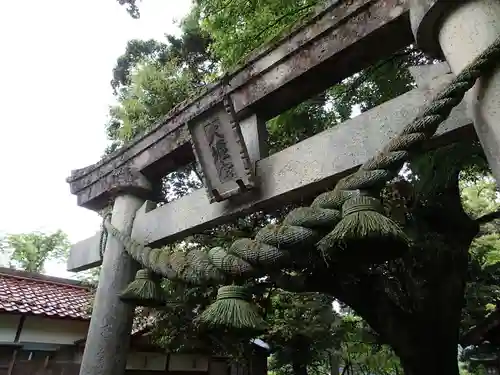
221,152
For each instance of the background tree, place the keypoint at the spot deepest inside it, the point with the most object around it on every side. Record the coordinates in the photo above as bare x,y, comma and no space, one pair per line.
482,292
361,351
480,198
298,346
31,251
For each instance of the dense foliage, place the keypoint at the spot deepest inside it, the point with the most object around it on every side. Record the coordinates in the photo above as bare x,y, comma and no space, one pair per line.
31,251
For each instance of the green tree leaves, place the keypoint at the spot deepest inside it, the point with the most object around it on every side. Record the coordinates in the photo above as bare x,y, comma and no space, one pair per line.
31,251
483,288
238,27
153,90
301,330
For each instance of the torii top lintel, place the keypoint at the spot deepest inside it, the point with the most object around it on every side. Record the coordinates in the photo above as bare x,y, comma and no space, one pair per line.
342,38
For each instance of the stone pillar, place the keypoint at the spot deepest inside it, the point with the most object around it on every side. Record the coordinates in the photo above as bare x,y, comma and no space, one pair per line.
459,31
254,132
108,337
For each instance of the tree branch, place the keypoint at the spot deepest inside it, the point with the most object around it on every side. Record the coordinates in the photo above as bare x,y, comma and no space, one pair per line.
283,16
364,75
346,367
485,219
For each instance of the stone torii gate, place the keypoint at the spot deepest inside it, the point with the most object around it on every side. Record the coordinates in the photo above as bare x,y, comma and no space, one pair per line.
341,39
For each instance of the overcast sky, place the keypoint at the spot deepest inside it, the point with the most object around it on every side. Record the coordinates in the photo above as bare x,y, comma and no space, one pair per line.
56,63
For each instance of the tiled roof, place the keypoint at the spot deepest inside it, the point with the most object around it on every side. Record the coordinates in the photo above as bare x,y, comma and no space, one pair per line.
28,293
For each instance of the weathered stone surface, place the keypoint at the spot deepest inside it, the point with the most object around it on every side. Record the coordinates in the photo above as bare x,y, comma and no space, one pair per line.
221,153
465,32
299,170
255,134
426,17
303,169
85,254
125,179
424,75
340,40
108,338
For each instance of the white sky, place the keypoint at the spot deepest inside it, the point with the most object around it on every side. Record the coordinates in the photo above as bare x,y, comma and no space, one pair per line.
56,63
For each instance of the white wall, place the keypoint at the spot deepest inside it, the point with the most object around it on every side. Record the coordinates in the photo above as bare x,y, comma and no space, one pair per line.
147,361
43,330
187,362
53,331
8,327
218,367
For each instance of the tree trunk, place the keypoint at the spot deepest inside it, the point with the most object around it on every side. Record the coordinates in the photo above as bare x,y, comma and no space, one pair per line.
334,364
438,358
301,354
299,368
414,303
431,368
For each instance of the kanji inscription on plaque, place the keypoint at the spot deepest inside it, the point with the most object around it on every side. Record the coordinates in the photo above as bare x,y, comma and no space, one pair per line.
221,152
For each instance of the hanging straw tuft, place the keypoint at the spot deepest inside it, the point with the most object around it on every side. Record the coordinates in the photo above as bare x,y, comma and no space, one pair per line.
233,311
145,290
364,233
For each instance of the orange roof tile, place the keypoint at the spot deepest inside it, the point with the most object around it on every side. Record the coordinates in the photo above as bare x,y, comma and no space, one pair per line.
31,293
24,292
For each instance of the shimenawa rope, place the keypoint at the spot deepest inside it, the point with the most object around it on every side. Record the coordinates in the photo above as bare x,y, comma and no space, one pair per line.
352,210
